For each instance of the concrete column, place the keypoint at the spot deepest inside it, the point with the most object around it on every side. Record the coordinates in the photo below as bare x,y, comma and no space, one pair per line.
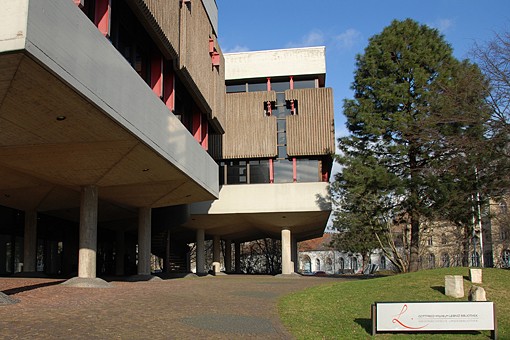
228,256
144,241
30,241
294,254
287,267
51,261
166,264
120,252
88,232
216,253
200,258
237,259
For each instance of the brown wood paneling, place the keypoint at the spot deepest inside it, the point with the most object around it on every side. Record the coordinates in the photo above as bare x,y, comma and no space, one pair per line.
249,133
311,131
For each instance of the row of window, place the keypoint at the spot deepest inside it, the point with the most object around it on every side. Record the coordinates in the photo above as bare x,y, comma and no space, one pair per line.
278,86
259,171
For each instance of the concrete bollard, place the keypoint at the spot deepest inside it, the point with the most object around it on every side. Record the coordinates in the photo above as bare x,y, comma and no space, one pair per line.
477,294
454,286
475,275
216,267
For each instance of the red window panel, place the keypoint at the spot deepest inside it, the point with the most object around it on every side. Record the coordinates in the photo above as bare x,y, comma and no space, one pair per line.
196,128
215,57
291,82
205,134
102,16
269,84
157,75
169,87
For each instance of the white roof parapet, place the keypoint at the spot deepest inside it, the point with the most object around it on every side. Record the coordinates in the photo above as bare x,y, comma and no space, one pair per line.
275,63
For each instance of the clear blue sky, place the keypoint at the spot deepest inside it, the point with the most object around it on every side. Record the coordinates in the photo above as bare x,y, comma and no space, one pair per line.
344,27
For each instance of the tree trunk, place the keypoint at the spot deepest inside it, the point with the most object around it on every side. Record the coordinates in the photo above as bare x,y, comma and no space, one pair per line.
414,214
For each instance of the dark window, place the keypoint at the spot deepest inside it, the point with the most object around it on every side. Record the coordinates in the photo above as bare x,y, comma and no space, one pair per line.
236,88
259,171
222,173
237,172
257,87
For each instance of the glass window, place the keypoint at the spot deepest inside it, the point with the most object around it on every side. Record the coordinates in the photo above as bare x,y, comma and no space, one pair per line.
282,139
282,151
281,125
236,88
307,170
280,86
282,171
222,173
237,172
304,84
259,171
257,87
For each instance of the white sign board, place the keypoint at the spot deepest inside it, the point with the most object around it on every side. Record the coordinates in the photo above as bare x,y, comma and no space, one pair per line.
434,316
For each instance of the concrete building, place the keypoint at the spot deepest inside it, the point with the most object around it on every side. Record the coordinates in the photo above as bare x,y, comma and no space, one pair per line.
125,132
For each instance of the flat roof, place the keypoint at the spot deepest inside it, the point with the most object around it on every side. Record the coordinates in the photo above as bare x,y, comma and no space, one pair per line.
276,63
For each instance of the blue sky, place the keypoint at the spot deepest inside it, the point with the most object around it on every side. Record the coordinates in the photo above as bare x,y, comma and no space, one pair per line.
344,27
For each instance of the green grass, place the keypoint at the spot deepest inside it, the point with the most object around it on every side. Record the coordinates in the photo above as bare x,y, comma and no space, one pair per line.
341,310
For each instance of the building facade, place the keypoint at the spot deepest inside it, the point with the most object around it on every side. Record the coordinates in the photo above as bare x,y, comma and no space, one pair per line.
125,132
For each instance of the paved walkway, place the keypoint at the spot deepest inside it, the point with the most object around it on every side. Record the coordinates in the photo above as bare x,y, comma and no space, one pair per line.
222,307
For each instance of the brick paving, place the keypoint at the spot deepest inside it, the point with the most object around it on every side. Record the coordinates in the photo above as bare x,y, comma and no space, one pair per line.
222,307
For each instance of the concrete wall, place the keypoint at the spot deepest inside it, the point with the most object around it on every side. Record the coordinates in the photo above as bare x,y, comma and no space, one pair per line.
275,63
60,37
266,198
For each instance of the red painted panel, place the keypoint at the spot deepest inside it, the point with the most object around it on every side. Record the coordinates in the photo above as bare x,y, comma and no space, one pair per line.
215,59
294,169
102,16
205,134
196,128
292,82
169,88
269,84
271,171
157,75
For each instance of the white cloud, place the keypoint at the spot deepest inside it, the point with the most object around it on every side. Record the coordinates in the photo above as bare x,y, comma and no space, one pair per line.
236,49
348,39
313,38
443,25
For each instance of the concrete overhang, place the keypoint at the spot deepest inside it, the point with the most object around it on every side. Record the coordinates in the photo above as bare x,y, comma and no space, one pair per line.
276,63
74,113
249,212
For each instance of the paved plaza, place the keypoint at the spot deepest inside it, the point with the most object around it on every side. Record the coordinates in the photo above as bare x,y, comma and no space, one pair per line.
221,307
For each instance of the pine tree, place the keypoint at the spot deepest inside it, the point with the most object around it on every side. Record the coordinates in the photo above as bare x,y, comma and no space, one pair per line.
417,144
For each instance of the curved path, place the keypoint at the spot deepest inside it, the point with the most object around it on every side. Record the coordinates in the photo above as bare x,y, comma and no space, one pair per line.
222,307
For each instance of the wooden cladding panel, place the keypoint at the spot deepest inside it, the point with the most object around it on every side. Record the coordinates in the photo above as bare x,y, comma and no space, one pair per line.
311,131
164,14
249,133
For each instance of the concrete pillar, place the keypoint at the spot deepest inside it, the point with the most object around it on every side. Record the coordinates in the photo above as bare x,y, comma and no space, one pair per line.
200,259
144,241
228,256
88,232
216,253
120,252
166,264
287,267
294,254
51,257
30,241
237,259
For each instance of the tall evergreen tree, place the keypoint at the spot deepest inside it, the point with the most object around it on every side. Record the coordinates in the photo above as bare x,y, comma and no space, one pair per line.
417,131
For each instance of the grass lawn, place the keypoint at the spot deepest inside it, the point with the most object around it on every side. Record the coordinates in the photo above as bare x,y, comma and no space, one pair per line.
341,310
